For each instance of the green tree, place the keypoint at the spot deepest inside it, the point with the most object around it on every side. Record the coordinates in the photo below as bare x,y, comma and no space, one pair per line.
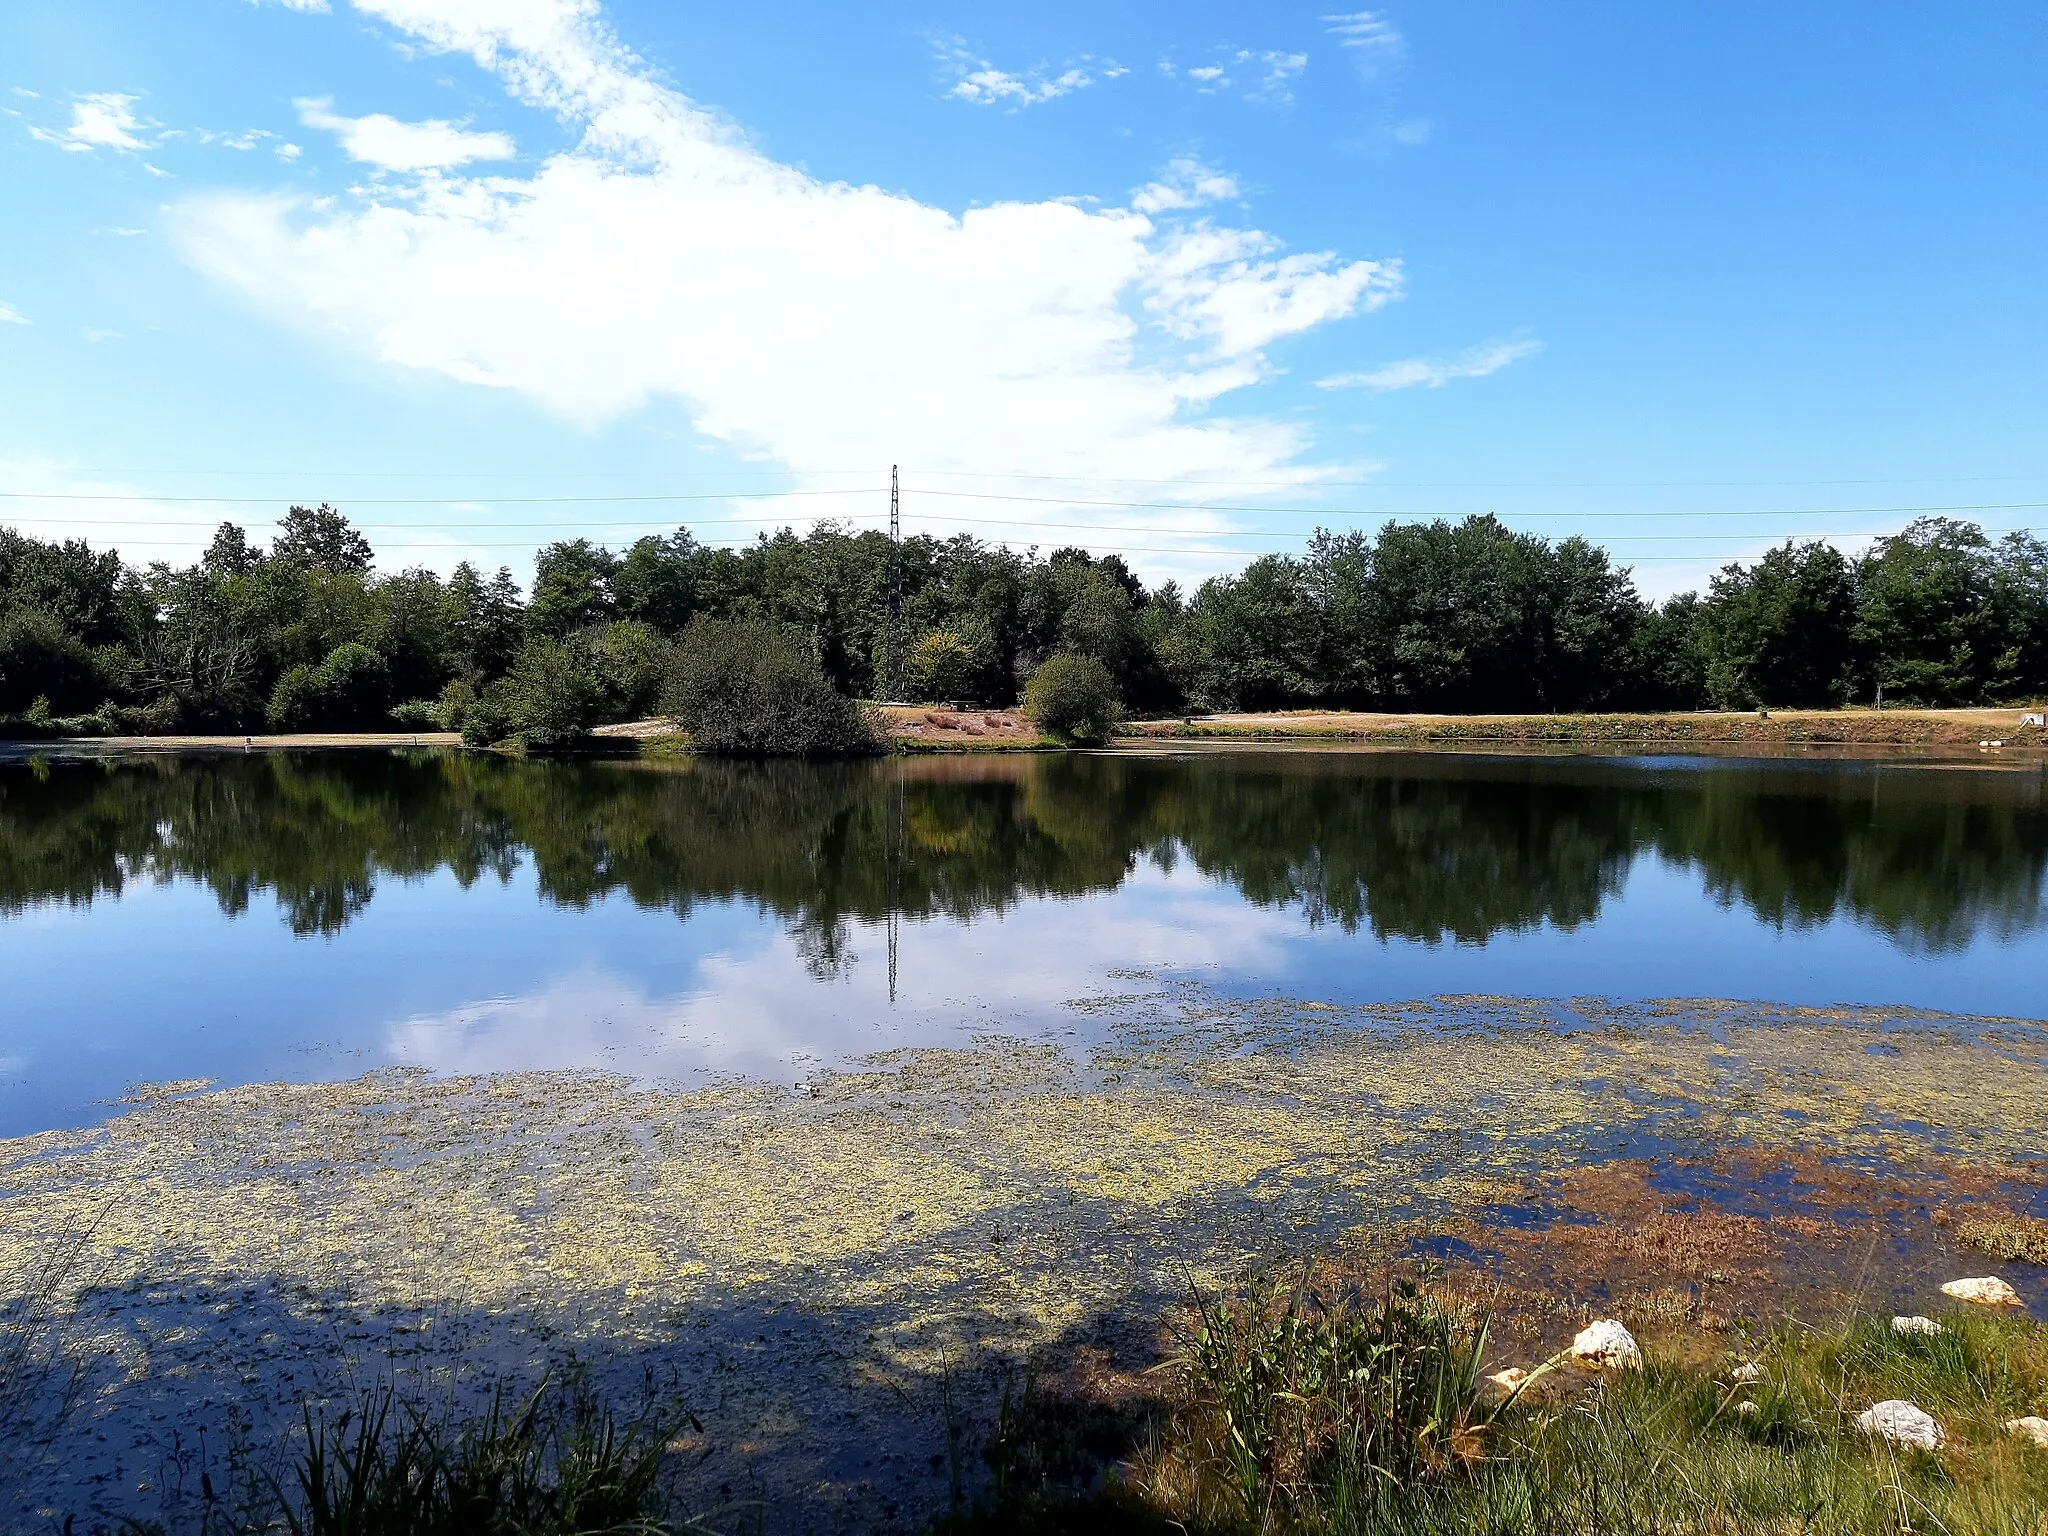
572,588
1783,630
321,539
1073,698
1927,618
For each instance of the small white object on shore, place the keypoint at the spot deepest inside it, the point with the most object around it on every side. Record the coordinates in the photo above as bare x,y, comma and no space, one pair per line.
1509,1379
1915,1325
1608,1346
1901,1423
1754,1371
1986,1291
2032,1427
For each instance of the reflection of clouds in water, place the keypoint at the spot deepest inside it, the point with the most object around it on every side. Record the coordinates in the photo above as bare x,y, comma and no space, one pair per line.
761,1009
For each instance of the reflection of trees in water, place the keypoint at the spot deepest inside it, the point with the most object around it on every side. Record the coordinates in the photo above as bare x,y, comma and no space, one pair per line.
1420,848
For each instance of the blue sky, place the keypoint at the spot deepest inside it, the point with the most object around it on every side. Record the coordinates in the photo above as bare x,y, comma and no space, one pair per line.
1183,281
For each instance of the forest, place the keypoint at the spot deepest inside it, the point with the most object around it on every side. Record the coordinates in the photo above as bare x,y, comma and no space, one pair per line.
310,633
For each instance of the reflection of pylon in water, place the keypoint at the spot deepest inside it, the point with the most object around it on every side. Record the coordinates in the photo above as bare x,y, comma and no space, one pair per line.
893,857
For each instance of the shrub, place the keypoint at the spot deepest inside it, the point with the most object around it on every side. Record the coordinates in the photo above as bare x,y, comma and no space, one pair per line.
942,666
748,689
551,696
295,701
1073,698
418,712
355,686
451,710
629,662
350,689
40,658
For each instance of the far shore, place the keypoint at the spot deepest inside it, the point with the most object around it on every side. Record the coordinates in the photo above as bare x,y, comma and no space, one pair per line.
942,729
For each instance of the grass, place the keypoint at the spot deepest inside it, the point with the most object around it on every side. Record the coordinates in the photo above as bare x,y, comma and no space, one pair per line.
1294,1411
556,1462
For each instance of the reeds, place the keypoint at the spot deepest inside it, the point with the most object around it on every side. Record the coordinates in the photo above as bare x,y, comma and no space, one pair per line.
1367,1413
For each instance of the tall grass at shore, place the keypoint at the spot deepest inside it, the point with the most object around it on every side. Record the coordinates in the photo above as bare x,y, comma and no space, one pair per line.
1299,1411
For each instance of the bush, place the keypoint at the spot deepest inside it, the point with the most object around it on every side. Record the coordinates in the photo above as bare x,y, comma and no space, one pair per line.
349,690
550,698
1073,698
629,661
40,658
451,710
748,689
295,701
942,666
418,712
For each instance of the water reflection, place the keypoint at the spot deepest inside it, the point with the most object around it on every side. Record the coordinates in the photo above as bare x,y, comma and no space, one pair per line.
1422,848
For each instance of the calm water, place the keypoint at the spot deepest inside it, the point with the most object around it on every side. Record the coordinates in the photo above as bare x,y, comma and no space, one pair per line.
313,916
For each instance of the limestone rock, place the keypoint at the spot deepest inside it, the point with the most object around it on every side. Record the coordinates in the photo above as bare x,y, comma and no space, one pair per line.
1989,1291
1607,1345
1915,1325
1901,1423
2032,1427
1509,1379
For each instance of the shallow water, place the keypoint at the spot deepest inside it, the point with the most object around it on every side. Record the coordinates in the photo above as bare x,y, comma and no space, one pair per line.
307,917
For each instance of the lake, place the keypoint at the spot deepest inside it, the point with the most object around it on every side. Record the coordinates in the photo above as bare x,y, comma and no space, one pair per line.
309,917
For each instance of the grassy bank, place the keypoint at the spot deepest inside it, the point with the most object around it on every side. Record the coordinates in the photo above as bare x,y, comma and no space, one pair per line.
1291,1409
1779,728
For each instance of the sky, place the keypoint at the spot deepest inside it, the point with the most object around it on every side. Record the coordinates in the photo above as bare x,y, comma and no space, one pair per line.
1183,282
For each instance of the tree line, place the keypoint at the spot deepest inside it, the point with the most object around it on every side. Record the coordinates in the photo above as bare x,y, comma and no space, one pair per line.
1467,616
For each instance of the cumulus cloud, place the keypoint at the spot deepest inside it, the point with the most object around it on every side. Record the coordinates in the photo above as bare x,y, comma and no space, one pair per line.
386,142
818,324
1434,372
102,120
9,315
978,81
1186,183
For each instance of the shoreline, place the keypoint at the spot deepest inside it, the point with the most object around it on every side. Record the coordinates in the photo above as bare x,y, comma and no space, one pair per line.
939,731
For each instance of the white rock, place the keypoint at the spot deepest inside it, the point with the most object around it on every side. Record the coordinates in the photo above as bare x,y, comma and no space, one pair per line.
1746,1406
1754,1371
1607,1344
1915,1325
1989,1291
2031,1428
1509,1379
1901,1423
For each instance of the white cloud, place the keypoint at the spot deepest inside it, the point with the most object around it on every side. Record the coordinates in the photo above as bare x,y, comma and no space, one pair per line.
288,152
311,7
395,146
94,333
1434,373
1276,70
1374,40
1186,183
1271,71
816,323
976,80
9,315
103,120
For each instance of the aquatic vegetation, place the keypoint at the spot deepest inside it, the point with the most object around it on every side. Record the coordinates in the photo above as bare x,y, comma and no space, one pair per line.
2004,1235
805,1266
